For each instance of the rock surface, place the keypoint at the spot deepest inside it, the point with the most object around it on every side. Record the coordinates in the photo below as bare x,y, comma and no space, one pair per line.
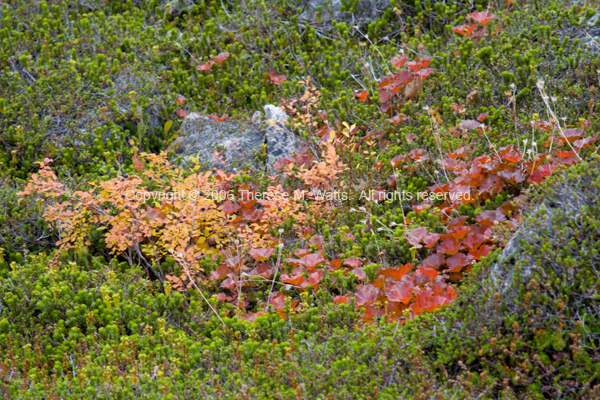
227,144
331,10
567,202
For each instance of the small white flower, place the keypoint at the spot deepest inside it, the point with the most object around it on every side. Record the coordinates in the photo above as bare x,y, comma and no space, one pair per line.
540,84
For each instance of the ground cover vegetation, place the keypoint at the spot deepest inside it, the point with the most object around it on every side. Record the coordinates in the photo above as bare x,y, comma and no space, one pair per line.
435,236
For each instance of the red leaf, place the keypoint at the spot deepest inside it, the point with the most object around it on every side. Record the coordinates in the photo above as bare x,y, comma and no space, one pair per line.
478,254
360,273
398,272
457,221
431,239
431,273
278,301
137,163
400,292
512,156
335,264
340,299
542,172
459,232
391,180
544,125
427,300
217,118
458,107
220,57
394,162
316,241
448,246
398,61
353,262
398,118
361,96
464,30
261,254
366,294
474,239
572,134
295,279
581,143
424,73
424,61
276,78
181,113
206,66
312,260
482,17
512,177
394,83
490,218
230,208
434,261
482,117
315,277
463,152
457,262
180,99
414,65
564,154
219,273
415,236
228,283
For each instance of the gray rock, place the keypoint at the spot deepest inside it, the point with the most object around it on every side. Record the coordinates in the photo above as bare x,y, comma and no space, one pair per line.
281,142
538,226
366,10
227,144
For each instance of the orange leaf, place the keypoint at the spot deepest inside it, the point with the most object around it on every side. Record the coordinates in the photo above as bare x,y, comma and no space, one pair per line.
464,30
361,96
398,61
397,272
276,78
398,118
217,118
206,66
482,17
220,57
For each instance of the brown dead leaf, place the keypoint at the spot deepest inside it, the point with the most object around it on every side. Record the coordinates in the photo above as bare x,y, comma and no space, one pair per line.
472,96
413,88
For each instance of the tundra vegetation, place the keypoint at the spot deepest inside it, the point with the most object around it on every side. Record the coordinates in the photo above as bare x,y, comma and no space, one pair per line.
436,233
